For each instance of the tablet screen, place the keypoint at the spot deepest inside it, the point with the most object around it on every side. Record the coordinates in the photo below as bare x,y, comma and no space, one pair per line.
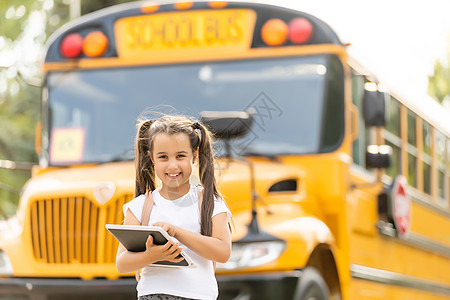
134,237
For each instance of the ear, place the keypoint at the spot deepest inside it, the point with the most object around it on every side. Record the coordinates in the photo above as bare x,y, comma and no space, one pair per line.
150,155
194,156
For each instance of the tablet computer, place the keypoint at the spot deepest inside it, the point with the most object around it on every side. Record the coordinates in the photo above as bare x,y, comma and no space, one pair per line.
133,238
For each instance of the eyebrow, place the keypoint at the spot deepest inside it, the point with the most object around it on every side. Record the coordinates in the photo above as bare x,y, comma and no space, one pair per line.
184,152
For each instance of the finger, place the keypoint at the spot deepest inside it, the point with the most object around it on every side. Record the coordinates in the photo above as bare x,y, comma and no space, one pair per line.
167,245
173,247
177,252
175,259
160,224
174,250
165,226
149,241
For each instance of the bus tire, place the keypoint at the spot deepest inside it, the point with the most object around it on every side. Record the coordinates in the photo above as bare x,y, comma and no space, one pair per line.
311,286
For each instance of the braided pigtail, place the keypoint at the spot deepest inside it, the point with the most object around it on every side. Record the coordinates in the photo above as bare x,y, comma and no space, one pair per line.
206,172
145,170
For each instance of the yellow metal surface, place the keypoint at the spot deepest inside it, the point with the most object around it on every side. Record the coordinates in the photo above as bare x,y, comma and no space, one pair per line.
371,249
361,289
253,53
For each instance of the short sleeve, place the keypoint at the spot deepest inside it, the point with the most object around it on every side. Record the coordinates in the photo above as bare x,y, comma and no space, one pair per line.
219,207
136,205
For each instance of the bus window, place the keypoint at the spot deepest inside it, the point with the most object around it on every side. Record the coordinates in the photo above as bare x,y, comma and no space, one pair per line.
393,122
412,149
426,157
392,136
448,173
333,125
357,96
440,156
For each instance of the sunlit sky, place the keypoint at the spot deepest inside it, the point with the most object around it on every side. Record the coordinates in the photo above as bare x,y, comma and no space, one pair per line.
400,40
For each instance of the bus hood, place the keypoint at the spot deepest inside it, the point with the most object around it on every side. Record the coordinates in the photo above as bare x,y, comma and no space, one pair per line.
104,182
100,183
274,182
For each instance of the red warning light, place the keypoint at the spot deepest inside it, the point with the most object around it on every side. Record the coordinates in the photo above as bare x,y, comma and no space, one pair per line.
300,30
72,45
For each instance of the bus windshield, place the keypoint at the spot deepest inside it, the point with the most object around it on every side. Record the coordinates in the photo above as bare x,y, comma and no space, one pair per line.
98,109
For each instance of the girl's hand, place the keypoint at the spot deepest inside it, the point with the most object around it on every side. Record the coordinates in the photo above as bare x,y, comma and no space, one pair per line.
167,252
171,229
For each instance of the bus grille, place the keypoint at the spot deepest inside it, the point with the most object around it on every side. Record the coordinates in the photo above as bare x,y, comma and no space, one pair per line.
72,230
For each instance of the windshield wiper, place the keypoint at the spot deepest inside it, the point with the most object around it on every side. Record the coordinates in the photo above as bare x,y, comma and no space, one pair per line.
253,152
127,155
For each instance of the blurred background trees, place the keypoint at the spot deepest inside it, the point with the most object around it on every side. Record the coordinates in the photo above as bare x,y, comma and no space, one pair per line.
19,95
24,28
439,82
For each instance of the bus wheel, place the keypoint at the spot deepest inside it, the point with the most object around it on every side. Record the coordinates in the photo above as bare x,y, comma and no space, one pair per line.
311,286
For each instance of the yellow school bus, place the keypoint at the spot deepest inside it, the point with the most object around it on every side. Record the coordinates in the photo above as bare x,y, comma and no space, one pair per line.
339,185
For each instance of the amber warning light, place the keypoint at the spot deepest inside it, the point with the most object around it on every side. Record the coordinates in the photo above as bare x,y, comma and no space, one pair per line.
93,45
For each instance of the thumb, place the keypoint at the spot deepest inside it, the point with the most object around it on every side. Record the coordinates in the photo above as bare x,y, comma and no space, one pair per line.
149,241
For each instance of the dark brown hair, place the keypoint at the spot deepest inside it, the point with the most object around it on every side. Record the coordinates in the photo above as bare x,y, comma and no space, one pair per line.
145,170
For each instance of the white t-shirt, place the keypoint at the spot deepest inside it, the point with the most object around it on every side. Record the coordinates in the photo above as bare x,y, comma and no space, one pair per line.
196,283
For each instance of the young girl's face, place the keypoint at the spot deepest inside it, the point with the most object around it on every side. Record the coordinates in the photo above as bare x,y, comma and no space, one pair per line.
173,159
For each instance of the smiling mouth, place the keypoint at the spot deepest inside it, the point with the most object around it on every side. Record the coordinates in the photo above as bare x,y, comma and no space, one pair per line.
174,175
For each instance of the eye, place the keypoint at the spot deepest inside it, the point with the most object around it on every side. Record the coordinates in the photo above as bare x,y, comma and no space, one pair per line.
162,157
181,155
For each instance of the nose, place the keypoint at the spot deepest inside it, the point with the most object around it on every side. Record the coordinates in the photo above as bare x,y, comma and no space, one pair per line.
173,164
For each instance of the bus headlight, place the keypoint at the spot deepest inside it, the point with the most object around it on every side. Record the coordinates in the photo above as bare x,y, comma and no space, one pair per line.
244,255
5,264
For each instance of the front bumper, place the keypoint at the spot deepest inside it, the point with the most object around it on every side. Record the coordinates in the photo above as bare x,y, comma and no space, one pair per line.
67,289
263,286
280,286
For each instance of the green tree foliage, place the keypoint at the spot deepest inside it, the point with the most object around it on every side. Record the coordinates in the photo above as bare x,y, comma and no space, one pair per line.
13,13
18,116
439,82
88,6
25,25
21,29
19,101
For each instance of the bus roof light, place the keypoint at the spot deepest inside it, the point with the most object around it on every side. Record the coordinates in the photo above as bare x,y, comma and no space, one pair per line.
300,30
274,32
149,7
217,4
183,5
95,44
72,45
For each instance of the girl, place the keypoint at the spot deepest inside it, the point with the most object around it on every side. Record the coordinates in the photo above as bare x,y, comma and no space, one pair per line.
169,146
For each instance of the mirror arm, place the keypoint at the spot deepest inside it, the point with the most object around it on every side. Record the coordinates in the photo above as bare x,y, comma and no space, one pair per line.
366,185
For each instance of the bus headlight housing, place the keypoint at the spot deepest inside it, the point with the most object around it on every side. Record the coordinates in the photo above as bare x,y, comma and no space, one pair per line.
244,255
5,264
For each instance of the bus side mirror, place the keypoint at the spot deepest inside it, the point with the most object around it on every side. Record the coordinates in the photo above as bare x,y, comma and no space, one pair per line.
378,157
374,107
227,124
